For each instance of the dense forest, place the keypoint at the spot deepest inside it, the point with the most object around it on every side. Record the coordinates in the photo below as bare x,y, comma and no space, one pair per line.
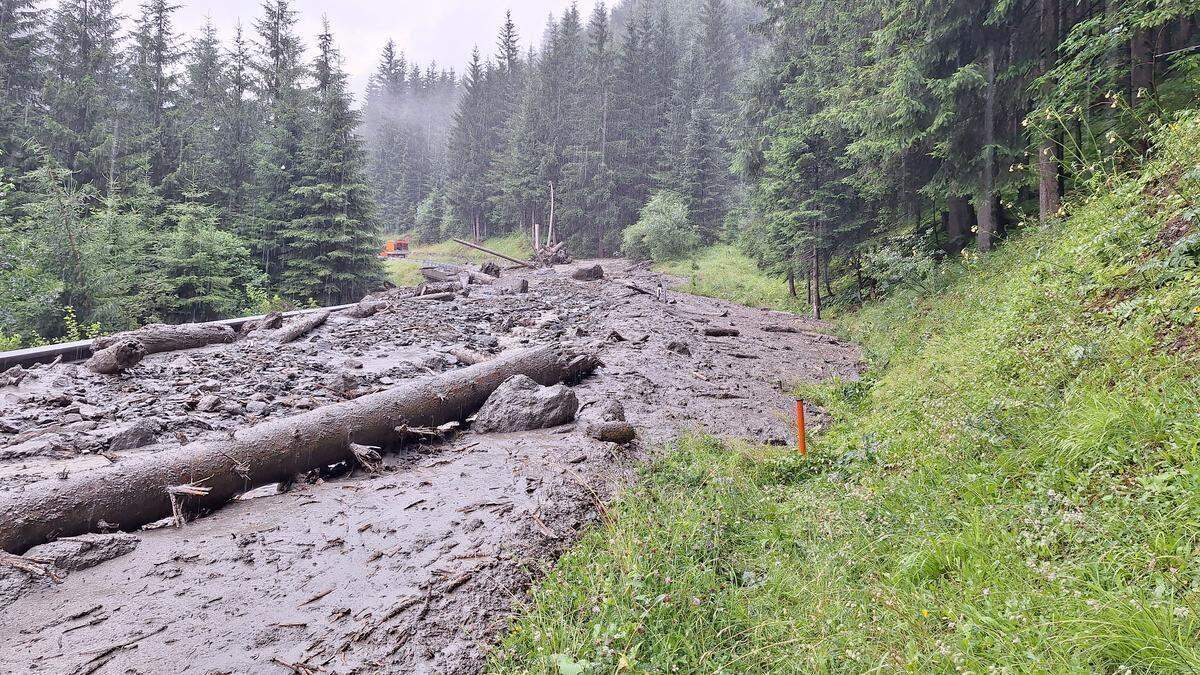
882,135
609,110
145,176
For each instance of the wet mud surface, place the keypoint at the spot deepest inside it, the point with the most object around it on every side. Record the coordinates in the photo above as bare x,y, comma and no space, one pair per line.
414,569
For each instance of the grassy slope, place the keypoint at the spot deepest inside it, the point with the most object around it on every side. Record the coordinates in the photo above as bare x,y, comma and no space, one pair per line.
723,271
1015,485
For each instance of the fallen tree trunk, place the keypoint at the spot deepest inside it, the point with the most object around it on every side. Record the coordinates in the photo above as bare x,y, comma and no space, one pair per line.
477,247
437,297
159,337
301,327
367,308
141,490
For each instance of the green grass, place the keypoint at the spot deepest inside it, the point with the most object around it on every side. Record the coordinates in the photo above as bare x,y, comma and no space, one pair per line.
722,271
1014,487
407,271
515,244
404,272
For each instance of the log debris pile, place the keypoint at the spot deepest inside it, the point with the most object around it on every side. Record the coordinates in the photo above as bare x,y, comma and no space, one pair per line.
549,256
139,491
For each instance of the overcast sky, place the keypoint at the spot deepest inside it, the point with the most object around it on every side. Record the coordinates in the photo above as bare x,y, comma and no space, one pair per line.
425,30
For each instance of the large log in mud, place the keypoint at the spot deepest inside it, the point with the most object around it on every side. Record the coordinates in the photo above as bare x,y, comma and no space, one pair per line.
142,490
165,338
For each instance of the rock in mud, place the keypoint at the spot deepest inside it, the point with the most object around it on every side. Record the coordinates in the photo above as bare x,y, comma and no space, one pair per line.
62,557
679,348
137,434
608,410
208,403
520,404
490,268
512,286
612,432
88,550
592,273
12,377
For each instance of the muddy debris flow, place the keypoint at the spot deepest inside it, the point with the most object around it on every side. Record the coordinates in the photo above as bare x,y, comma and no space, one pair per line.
410,562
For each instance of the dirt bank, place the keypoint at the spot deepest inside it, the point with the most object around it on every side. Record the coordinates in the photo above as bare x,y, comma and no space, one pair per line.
411,570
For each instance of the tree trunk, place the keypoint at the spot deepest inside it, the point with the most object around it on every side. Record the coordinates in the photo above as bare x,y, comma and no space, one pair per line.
986,208
158,337
828,286
958,221
1048,158
138,491
816,284
301,326
791,282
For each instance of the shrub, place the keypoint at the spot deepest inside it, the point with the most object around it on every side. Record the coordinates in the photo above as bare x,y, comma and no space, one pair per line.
663,232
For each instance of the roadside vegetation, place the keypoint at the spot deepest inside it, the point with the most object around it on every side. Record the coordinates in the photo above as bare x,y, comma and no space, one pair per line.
1013,486
723,271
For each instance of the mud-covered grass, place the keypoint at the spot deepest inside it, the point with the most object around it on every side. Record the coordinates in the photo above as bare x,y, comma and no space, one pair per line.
723,271
1014,487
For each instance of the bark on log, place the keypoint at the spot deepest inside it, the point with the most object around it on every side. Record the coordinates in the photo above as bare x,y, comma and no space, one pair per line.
437,297
117,358
137,491
163,338
367,308
301,326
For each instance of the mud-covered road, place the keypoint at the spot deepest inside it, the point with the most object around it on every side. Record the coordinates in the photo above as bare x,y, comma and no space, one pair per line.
412,570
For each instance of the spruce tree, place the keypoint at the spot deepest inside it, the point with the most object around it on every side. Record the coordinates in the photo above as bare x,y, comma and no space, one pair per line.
332,240
82,123
279,69
20,79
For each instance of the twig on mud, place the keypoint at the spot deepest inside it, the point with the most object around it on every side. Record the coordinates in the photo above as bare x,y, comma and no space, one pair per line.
34,567
103,656
317,597
175,492
368,456
298,668
596,501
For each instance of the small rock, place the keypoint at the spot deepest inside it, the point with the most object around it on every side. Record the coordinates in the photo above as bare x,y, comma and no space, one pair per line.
137,434
209,403
520,404
679,347
612,432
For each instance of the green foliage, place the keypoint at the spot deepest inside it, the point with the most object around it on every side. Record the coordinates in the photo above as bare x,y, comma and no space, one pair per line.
1012,488
427,227
204,266
722,271
663,232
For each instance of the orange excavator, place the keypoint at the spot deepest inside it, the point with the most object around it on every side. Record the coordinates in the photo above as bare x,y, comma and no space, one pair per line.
396,248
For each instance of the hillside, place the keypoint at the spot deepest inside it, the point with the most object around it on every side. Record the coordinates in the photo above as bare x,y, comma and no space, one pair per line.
1013,485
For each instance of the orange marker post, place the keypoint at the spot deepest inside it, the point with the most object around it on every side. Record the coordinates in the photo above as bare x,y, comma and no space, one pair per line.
800,440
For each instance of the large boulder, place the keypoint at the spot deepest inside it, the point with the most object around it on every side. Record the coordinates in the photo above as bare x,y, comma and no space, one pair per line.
520,404
592,273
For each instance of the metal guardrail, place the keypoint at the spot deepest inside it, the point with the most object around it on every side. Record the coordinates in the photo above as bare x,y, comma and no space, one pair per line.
78,351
